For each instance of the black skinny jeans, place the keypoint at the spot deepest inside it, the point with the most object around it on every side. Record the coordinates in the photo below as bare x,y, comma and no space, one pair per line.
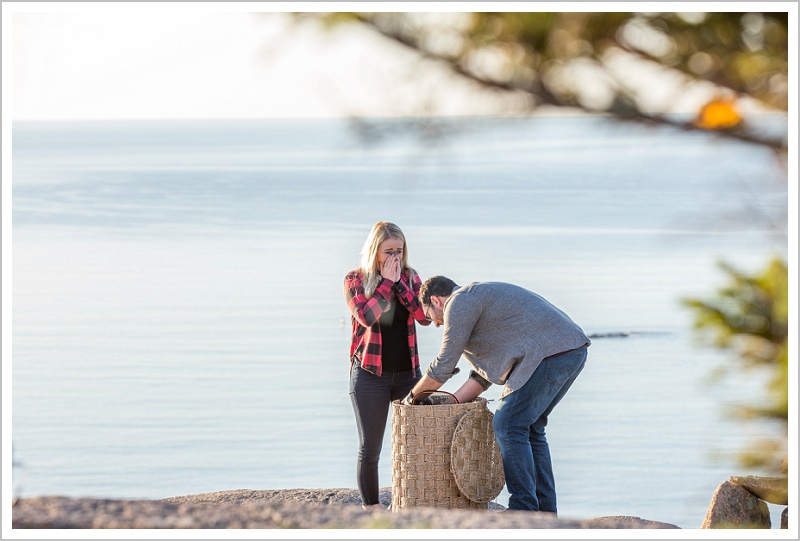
371,396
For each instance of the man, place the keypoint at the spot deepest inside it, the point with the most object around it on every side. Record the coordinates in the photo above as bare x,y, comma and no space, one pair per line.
512,337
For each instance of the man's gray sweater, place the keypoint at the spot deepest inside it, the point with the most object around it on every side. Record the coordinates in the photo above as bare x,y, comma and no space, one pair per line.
504,331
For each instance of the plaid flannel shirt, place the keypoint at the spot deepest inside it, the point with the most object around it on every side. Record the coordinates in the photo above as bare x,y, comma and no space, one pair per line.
365,315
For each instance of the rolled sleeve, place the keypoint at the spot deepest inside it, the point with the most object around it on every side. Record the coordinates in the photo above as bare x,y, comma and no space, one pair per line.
440,373
483,382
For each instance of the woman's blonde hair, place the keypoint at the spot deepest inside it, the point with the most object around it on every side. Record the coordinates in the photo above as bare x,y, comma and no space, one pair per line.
370,266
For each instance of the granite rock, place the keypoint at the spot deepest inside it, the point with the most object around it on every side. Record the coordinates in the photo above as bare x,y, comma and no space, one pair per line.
733,506
299,508
770,489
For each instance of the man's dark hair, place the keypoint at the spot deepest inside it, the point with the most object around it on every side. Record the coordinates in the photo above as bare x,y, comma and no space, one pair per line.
440,286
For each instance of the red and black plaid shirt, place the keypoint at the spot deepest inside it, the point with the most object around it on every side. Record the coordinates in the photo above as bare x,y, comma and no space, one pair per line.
365,316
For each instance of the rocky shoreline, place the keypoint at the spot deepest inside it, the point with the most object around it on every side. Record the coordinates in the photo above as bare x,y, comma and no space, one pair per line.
284,509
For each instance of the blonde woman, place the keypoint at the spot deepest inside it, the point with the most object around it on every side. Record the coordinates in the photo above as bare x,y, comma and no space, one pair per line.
382,295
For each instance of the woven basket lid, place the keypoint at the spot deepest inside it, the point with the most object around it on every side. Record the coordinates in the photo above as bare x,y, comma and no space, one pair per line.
475,457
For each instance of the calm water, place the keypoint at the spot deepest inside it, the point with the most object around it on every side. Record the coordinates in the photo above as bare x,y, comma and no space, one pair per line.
179,324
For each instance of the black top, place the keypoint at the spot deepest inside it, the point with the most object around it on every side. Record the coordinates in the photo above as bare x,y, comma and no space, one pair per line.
395,352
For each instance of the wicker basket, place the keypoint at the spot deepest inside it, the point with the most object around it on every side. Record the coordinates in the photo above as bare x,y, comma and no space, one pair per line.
431,468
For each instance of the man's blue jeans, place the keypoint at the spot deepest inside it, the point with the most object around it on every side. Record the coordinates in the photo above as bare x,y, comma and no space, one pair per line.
519,423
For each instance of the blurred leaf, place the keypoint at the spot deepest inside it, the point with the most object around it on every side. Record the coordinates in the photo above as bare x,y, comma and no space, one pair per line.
718,114
750,315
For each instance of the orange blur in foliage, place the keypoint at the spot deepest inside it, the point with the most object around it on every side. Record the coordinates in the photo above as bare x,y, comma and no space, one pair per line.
718,114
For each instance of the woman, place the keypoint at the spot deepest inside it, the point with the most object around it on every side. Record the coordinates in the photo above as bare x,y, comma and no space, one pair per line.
382,295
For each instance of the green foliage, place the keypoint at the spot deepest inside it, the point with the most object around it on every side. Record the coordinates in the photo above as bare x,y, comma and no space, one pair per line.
750,315
753,309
